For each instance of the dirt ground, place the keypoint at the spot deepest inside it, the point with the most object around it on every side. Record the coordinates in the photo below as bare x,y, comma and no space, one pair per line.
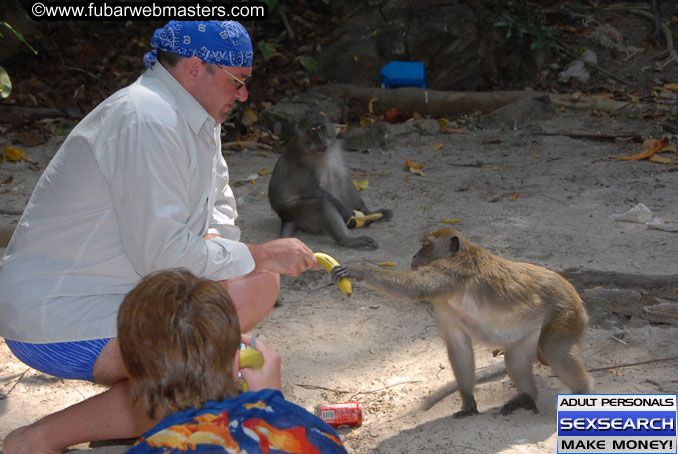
523,194
534,193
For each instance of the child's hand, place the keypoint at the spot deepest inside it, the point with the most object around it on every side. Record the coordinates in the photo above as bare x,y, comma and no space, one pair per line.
269,376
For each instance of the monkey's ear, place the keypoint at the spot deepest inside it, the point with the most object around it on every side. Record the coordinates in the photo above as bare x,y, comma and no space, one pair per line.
455,244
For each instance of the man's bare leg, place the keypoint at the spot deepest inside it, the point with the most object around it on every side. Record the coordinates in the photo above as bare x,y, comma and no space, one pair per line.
106,416
254,295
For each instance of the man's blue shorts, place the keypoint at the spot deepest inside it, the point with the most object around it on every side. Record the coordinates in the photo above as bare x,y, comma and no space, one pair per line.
73,360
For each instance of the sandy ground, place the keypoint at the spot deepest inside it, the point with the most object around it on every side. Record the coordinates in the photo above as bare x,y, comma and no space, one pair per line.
520,193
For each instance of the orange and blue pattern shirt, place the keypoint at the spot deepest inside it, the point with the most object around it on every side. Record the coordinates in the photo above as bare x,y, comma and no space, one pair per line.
254,422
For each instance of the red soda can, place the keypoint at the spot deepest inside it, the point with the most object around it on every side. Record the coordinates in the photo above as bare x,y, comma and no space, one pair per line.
341,414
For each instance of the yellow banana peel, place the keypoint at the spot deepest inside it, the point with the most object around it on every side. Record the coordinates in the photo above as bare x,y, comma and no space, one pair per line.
328,263
360,218
250,357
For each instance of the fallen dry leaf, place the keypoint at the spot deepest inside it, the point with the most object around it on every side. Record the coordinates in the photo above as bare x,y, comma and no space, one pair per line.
13,154
396,115
514,196
415,167
652,147
567,28
443,123
662,159
450,221
391,264
361,185
265,171
366,121
671,87
437,146
249,117
31,138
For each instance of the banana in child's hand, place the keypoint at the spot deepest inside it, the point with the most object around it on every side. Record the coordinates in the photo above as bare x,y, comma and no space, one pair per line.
249,357
328,263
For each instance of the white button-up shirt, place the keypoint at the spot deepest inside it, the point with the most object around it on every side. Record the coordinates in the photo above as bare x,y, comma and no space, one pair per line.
132,190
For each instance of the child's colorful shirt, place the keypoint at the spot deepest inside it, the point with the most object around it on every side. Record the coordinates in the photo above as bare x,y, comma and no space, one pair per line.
253,422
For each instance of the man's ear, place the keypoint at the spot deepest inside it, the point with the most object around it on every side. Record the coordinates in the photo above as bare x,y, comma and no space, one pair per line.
192,67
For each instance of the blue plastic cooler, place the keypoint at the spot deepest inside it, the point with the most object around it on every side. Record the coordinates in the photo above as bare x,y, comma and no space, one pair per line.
403,74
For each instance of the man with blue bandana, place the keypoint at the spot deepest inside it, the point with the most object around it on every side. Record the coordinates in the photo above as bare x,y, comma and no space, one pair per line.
139,185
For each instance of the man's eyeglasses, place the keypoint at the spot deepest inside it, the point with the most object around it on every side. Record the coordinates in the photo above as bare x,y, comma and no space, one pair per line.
241,83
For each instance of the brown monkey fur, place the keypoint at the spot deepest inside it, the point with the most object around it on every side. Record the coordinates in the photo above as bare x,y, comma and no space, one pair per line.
527,310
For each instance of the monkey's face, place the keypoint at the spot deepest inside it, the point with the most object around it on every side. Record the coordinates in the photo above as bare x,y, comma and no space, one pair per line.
318,134
436,245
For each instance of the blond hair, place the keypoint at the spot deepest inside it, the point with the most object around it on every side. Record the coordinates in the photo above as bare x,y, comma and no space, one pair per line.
178,336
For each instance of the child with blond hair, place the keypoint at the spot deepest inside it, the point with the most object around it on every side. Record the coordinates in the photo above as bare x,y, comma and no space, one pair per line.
180,341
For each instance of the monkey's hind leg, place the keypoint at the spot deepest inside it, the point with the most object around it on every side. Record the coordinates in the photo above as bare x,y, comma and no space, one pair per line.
566,360
287,229
519,359
335,225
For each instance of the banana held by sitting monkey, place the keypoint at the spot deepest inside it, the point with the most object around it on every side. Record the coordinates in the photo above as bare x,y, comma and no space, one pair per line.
328,263
359,219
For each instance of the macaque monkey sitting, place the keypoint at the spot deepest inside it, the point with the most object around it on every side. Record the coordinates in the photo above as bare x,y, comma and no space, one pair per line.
528,311
310,188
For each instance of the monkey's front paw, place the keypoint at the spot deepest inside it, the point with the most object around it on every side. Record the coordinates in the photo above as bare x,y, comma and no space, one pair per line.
366,241
521,401
338,273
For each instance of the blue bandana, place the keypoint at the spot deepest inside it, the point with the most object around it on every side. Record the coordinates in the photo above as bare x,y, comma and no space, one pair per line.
223,43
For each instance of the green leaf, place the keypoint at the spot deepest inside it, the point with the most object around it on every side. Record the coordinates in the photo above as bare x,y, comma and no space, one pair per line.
267,49
20,36
5,83
310,64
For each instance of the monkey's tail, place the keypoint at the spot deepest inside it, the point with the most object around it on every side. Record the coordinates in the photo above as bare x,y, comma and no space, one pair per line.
483,375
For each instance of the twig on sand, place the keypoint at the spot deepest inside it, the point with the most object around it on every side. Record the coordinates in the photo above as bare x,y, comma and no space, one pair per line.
385,387
16,382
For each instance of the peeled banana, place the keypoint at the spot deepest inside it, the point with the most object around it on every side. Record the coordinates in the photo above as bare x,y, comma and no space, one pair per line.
328,262
359,219
249,357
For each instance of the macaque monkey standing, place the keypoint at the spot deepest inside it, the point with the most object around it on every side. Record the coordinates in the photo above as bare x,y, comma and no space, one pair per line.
530,312
310,188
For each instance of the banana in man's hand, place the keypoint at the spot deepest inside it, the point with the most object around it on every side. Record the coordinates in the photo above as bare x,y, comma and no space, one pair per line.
328,263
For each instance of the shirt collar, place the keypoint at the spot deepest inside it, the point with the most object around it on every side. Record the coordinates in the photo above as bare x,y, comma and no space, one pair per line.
195,114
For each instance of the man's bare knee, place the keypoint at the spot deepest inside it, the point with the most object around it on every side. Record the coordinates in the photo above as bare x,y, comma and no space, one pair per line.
254,296
109,367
